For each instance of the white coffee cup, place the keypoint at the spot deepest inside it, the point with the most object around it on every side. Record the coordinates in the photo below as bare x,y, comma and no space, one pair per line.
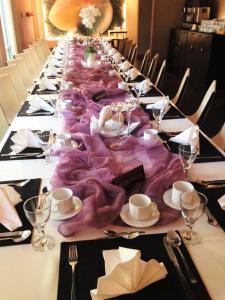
141,207
178,188
112,72
122,85
150,134
62,200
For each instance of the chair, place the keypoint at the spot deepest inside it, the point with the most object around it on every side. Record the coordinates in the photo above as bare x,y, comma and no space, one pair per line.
145,61
39,52
161,74
219,138
29,62
8,98
121,45
205,105
17,81
133,54
45,48
181,90
24,72
152,67
3,123
36,54
127,48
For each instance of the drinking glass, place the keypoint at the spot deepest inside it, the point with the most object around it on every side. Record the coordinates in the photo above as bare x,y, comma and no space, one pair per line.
192,206
131,105
158,114
117,107
187,154
37,210
46,140
138,93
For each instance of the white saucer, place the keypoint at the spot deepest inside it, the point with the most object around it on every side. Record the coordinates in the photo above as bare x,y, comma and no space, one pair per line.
60,216
125,216
167,199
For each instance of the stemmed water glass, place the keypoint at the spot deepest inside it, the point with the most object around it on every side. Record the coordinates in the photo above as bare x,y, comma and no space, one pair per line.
131,105
37,210
192,206
118,108
158,114
138,93
46,140
187,154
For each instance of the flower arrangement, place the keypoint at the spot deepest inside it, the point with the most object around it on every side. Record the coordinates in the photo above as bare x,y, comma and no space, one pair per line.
89,15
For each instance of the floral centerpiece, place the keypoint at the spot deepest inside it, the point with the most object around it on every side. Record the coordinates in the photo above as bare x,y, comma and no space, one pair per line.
89,15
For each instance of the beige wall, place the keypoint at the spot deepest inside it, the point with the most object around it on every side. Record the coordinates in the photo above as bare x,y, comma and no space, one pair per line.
132,19
220,9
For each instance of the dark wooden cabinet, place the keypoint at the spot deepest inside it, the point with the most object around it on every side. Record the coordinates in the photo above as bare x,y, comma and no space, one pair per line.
204,53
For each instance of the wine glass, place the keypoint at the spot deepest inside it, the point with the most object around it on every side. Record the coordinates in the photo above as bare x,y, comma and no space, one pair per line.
131,105
118,108
138,93
158,114
37,210
187,154
46,140
192,206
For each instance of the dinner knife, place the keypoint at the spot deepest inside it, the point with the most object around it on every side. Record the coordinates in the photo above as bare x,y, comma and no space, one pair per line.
21,154
182,278
14,234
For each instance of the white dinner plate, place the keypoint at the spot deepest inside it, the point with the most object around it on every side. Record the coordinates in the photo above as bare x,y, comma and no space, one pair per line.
125,216
55,215
167,198
113,133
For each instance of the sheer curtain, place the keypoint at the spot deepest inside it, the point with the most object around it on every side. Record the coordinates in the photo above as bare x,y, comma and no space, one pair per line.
8,28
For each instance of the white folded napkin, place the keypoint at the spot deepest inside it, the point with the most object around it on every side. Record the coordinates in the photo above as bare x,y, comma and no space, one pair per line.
112,51
162,104
208,171
38,103
24,138
117,58
126,273
105,114
189,136
58,56
125,65
51,71
151,100
221,202
132,73
46,84
56,63
8,214
144,86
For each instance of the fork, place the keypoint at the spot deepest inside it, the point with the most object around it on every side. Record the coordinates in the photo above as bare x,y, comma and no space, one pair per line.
19,184
73,260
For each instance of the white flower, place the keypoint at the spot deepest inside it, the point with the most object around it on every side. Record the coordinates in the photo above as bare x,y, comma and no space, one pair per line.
89,15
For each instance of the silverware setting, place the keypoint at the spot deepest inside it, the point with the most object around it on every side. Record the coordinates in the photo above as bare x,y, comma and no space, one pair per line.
19,184
16,236
183,280
27,155
125,234
73,260
174,240
214,185
210,219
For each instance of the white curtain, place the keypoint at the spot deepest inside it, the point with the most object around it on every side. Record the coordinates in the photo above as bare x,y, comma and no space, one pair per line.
8,28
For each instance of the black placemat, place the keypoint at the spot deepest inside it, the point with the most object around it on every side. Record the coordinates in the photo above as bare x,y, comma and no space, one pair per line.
6,149
213,195
91,266
36,87
173,114
41,112
153,92
31,189
208,153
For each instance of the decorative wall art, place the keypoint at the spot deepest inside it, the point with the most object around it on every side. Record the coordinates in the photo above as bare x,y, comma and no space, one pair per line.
62,16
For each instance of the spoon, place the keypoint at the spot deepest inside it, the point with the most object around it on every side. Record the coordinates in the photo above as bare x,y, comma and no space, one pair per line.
17,237
174,240
210,219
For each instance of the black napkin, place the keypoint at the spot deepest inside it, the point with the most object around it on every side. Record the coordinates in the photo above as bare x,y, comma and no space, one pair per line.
213,195
91,266
35,90
41,112
99,96
31,189
6,149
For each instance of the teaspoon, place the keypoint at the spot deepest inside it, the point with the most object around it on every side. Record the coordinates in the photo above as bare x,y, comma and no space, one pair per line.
123,233
17,237
174,240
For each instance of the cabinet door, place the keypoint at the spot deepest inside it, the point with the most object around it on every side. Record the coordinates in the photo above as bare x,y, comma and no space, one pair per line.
179,52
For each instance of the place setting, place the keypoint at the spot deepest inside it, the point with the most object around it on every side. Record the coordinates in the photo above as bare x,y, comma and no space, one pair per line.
27,144
15,229
45,86
37,106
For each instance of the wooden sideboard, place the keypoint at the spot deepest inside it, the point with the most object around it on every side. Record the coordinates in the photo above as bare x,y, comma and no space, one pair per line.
204,53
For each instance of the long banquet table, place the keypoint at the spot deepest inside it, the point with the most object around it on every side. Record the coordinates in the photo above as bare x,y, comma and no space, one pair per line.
26,274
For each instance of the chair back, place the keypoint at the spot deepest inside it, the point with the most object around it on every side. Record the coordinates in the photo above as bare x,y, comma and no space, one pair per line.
145,61
35,58
17,81
29,62
39,52
219,138
121,45
4,125
133,54
8,98
152,67
181,90
161,74
127,48
205,105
